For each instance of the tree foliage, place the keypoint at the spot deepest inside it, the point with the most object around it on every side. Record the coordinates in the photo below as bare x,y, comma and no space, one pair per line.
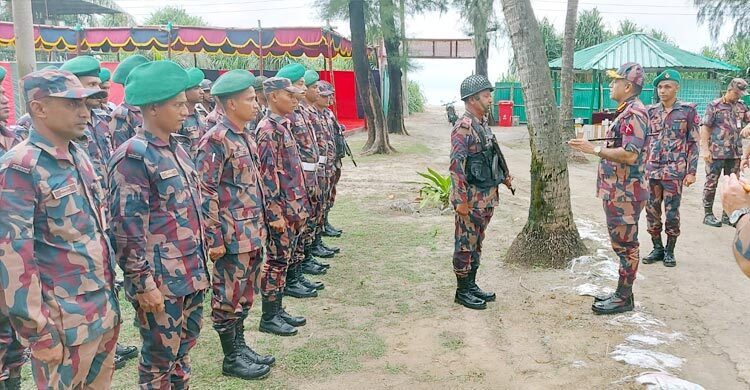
175,15
553,42
719,12
590,29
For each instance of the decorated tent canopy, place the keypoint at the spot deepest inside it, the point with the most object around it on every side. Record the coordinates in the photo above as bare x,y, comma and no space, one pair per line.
293,41
653,54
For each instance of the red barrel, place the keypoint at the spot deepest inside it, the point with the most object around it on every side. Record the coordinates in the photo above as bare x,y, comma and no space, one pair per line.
505,113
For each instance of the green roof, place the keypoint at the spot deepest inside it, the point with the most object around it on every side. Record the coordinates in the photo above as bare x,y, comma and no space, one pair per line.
652,54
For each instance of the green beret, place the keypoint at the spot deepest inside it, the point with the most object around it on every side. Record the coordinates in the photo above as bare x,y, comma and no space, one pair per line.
82,66
105,75
195,77
155,82
293,72
3,72
669,74
232,82
311,77
126,66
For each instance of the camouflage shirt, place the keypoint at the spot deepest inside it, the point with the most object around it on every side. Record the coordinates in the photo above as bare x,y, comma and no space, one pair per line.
98,143
214,117
157,223
465,141
323,126
230,184
193,128
8,139
22,127
619,182
56,263
303,132
336,131
125,119
726,120
280,169
673,143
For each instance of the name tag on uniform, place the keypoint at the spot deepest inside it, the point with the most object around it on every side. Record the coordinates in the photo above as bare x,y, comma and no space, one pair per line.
739,123
168,173
65,191
241,153
299,123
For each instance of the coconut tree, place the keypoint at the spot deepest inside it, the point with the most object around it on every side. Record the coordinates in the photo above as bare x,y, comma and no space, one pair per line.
550,237
718,12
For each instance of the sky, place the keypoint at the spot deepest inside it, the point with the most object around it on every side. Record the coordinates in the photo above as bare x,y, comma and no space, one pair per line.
440,79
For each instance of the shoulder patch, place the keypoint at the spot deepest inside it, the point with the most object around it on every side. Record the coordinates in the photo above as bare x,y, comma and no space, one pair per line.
24,157
218,134
136,148
121,112
465,122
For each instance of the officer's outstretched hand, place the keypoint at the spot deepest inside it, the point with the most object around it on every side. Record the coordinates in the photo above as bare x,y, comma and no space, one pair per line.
279,225
735,194
51,356
689,180
151,301
215,253
462,209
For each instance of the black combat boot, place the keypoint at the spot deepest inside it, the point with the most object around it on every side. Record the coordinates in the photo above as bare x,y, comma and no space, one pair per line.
236,364
293,286
14,381
657,254
710,219
333,249
330,231
271,321
465,297
310,284
308,267
487,296
317,249
669,260
241,346
310,257
123,353
295,321
614,304
725,219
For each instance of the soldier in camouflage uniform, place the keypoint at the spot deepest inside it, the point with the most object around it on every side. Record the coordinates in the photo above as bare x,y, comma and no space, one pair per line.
194,126
12,353
285,201
620,182
126,117
235,224
56,258
337,134
205,86
157,225
296,284
474,205
263,105
106,84
736,203
721,142
672,161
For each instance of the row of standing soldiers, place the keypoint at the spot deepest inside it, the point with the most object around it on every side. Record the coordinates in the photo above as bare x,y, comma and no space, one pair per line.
650,153
233,197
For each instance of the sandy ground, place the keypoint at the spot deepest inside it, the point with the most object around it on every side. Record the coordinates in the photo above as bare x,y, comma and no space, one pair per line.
541,334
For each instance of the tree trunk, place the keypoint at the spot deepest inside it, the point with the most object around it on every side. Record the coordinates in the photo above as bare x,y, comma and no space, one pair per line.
392,42
377,136
550,237
23,26
483,55
566,80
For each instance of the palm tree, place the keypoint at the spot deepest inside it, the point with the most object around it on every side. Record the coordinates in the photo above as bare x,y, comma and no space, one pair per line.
550,237
717,12
567,76
480,15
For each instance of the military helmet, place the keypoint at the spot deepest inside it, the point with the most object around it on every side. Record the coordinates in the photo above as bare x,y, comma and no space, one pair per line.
474,84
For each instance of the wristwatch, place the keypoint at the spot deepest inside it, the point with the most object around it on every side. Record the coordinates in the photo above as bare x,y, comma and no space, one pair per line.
597,149
737,214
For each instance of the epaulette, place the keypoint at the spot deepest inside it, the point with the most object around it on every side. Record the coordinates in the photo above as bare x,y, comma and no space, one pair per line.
465,122
218,135
121,112
136,148
24,158
103,115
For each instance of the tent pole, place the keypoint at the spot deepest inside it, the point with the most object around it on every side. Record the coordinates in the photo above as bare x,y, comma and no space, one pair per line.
260,46
329,38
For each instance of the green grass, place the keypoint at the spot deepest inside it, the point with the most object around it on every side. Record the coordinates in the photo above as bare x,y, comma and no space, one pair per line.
452,341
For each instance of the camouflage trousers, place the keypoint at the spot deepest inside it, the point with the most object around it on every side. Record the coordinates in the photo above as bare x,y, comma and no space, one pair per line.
234,284
668,192
167,337
622,224
334,180
713,172
468,239
279,251
86,366
310,228
12,353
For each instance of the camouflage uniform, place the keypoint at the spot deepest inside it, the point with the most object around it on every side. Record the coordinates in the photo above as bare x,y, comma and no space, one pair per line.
124,120
214,117
158,228
57,259
470,228
623,188
303,129
193,128
97,142
22,127
12,353
672,154
327,148
233,207
337,164
280,168
725,145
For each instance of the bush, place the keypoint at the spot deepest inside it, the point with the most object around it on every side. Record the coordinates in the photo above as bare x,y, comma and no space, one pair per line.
416,97
435,191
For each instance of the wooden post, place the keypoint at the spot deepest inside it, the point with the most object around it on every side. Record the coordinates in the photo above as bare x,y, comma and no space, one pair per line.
329,39
23,28
260,46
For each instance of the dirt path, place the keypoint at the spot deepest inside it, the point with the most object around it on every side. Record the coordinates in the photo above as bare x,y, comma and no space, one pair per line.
541,333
